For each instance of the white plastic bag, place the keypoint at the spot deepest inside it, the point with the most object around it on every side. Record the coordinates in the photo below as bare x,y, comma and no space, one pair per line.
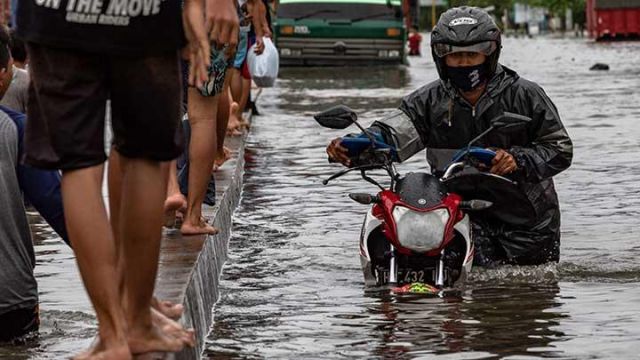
264,67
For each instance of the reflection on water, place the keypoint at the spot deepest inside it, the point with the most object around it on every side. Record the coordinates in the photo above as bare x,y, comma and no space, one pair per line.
477,321
306,88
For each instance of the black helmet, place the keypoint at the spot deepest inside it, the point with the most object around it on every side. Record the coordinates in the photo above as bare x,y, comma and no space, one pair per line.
465,28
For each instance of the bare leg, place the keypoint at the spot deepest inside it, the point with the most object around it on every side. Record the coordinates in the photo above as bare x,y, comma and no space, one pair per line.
115,173
202,150
223,118
175,202
144,186
237,91
114,182
235,81
222,153
246,88
235,122
89,230
234,126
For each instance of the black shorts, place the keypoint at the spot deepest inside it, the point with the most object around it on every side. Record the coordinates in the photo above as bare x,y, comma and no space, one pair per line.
68,93
17,323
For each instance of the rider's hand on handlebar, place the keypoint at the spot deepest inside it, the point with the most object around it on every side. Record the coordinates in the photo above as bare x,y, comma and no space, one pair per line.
338,153
503,163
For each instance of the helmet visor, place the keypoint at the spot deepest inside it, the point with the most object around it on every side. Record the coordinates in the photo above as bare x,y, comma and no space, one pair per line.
485,47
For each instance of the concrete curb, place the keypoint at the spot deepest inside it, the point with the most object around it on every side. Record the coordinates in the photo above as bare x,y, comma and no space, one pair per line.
190,267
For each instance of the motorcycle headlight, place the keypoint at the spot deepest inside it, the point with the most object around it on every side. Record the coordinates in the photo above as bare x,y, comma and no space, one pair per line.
420,231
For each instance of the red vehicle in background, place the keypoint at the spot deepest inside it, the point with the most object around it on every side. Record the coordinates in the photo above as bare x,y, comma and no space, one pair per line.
613,19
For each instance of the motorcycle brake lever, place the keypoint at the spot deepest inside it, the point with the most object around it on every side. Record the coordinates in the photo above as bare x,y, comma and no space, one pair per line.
364,167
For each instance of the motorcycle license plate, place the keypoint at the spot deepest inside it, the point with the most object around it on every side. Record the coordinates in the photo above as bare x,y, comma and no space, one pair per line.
408,276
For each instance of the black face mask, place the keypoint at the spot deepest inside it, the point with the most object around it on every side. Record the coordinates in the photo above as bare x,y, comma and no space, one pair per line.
467,78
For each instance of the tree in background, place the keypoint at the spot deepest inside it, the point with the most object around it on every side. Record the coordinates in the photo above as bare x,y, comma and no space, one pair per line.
499,5
559,8
555,8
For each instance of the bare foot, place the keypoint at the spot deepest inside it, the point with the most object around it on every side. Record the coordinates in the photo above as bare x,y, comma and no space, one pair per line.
221,158
172,205
152,339
245,124
173,329
175,202
234,126
234,132
167,308
188,228
100,352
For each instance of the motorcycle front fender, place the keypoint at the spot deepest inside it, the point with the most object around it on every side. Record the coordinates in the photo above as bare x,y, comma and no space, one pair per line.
463,227
369,225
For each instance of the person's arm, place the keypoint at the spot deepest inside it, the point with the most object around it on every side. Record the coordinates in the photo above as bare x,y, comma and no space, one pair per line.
206,22
406,128
551,151
40,187
257,20
262,11
398,130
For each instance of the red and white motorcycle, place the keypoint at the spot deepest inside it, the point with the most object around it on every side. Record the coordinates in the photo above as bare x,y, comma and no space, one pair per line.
417,236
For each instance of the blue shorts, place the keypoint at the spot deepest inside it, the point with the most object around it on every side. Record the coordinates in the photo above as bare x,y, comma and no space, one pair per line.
241,53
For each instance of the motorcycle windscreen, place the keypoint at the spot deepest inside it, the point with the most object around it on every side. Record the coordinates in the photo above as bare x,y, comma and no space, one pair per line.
421,190
510,204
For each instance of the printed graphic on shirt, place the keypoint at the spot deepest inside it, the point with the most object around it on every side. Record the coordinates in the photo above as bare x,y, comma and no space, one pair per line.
103,12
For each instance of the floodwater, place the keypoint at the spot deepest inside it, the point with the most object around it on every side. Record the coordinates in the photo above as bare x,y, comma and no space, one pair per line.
292,287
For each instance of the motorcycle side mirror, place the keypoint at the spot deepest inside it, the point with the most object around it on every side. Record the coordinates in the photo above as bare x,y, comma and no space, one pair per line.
338,117
475,205
364,199
509,120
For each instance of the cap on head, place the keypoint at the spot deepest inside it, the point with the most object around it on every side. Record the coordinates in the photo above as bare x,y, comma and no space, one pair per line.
468,29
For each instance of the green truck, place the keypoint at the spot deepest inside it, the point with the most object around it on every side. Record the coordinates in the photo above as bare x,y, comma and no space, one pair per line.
340,32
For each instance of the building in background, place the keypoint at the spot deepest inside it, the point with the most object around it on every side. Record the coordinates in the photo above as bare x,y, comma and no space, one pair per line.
531,19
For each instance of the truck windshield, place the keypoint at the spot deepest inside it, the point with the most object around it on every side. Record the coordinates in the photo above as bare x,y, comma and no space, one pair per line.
355,11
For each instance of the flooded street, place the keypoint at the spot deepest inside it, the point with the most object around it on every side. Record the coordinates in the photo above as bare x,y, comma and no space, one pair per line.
292,287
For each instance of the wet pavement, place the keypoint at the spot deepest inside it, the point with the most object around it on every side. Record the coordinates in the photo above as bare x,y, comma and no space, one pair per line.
293,288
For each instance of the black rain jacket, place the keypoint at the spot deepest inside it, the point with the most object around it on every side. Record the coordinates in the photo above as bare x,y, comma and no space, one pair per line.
438,118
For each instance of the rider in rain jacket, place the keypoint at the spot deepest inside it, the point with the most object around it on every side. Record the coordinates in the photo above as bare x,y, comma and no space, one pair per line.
440,117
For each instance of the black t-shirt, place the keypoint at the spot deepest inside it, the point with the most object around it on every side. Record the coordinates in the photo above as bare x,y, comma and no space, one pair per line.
118,27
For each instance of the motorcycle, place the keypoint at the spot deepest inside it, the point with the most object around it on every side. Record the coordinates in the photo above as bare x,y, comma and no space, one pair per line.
417,235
